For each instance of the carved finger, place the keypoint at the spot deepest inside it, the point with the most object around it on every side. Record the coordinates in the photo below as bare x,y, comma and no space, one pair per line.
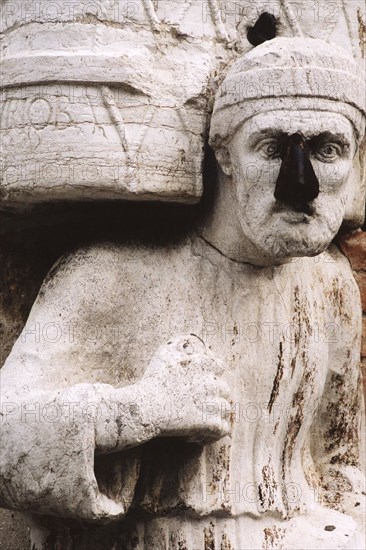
106,509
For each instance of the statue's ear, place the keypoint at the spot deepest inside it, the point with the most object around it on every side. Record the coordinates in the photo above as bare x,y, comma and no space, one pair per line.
223,158
356,192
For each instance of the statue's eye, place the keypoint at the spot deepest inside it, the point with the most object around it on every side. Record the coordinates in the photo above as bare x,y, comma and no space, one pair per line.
328,152
270,149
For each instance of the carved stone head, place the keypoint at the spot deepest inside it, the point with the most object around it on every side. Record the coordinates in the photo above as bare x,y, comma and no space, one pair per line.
286,130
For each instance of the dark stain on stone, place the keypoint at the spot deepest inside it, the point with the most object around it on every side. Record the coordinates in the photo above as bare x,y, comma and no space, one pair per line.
225,543
293,428
361,32
335,293
329,528
343,424
277,380
293,366
267,489
272,537
209,534
260,495
306,386
297,316
296,419
178,542
220,474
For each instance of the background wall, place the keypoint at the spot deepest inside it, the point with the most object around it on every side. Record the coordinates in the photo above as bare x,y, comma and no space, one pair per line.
354,247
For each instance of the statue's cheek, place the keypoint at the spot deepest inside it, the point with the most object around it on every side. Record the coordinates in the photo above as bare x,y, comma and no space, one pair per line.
332,176
257,176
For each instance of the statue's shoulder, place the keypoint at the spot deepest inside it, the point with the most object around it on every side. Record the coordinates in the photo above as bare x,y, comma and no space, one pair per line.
337,266
329,279
107,264
340,288
330,264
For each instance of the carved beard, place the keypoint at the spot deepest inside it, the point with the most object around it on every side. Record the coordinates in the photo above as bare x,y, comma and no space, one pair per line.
273,236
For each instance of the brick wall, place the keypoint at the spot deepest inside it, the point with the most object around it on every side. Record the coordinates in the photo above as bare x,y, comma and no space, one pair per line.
354,247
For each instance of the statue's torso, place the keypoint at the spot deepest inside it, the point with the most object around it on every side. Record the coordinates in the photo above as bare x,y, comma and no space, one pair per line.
277,333
104,311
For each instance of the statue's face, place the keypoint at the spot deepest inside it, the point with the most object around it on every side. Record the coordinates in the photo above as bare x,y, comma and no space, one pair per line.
280,229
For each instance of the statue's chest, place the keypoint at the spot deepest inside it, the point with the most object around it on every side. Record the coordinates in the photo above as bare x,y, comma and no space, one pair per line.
270,327
269,330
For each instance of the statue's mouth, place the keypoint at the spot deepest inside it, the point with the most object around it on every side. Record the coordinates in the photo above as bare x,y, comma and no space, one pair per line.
295,211
296,206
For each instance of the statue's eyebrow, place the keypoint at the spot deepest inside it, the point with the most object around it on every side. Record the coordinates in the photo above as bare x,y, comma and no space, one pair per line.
266,133
341,139
271,132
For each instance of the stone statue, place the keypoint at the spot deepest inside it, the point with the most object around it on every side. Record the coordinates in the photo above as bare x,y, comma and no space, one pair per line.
205,393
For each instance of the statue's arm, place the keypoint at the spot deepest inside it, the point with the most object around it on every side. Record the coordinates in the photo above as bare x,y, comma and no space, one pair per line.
48,442
54,420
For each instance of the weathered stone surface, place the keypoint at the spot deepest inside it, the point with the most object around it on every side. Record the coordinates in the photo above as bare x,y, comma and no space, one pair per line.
363,350
354,247
236,343
126,114
14,532
363,369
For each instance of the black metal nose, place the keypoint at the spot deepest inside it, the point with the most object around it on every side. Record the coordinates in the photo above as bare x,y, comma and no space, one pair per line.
297,184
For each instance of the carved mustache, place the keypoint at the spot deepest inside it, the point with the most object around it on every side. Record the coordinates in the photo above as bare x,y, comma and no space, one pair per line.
297,184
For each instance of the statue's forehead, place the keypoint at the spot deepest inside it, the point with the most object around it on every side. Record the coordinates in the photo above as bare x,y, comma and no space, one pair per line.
308,122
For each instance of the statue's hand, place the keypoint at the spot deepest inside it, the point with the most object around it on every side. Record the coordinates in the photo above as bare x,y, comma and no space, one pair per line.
192,399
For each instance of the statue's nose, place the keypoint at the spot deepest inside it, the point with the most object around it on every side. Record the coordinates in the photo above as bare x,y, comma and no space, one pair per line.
297,184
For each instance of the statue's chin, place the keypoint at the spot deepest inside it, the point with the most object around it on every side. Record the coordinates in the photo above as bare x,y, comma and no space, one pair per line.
301,250
279,234
279,240
287,246
263,259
